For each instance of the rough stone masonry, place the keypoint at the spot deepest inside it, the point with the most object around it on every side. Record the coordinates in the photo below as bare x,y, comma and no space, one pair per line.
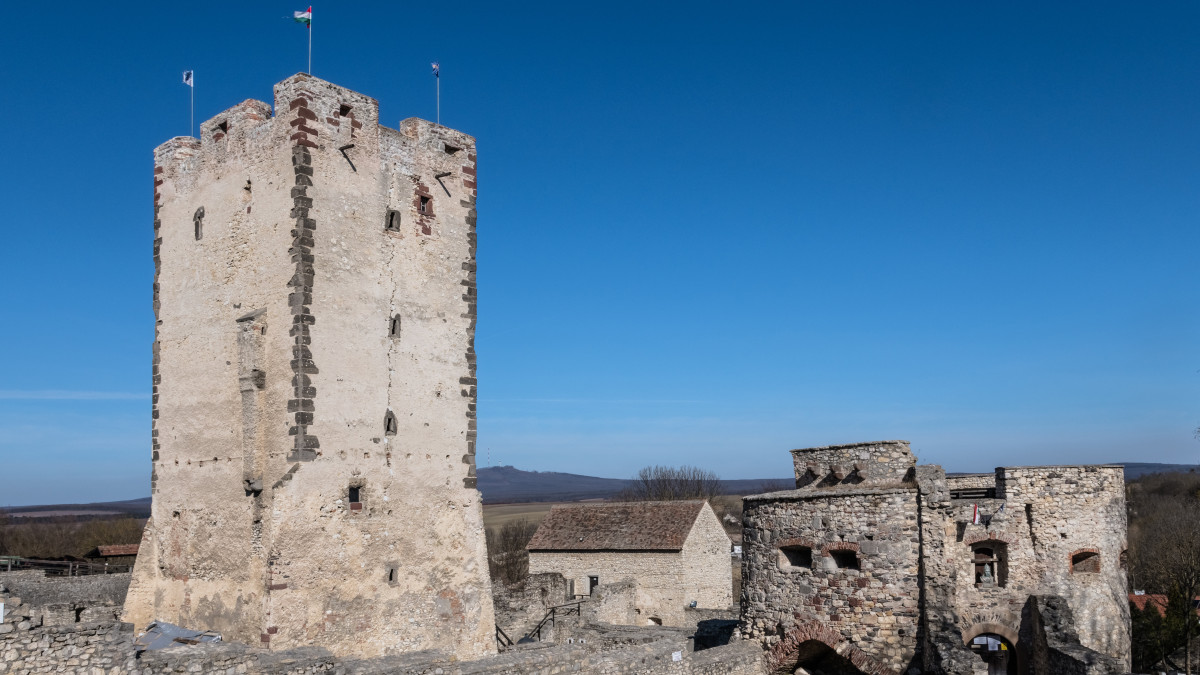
314,382
898,568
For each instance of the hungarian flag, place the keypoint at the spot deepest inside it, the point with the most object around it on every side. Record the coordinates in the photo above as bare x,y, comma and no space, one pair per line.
304,17
975,519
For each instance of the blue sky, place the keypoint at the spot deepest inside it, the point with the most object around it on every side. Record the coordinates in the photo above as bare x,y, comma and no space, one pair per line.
708,233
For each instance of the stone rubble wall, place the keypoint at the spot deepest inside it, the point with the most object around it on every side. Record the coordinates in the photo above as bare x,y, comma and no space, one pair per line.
872,612
971,481
1056,649
108,649
874,463
32,598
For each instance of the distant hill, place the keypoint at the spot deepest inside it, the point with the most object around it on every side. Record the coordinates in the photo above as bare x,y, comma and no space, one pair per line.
1135,470
506,484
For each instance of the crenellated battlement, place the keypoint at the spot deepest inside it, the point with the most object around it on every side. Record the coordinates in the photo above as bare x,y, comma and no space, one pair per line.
872,463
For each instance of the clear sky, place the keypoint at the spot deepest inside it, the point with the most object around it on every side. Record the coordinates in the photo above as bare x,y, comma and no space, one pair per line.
708,232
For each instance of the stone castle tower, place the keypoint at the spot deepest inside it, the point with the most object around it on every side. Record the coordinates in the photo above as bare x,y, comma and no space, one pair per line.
314,382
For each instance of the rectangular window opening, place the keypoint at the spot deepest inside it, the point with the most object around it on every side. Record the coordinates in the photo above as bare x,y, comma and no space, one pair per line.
392,223
796,556
450,149
847,560
343,110
425,206
394,327
1085,563
354,496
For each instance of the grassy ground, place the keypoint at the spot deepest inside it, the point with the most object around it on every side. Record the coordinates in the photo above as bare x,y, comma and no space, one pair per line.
497,515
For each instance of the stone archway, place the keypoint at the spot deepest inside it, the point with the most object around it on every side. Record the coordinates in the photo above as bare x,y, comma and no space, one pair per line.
1007,634
815,643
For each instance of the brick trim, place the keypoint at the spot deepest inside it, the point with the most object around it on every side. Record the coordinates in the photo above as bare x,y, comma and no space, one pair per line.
828,549
988,536
782,656
796,541
303,403
1071,559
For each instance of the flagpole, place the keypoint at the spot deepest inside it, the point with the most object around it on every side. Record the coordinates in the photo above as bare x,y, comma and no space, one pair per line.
310,45
439,98
192,117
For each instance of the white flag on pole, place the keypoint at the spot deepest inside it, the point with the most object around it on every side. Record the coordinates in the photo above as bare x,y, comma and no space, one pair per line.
187,78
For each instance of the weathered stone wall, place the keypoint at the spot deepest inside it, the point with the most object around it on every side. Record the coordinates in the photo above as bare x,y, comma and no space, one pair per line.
869,613
519,608
35,588
108,648
32,597
79,648
875,463
969,481
1076,509
666,582
315,304
967,578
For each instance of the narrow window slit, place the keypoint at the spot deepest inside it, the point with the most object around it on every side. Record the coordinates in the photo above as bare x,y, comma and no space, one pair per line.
392,223
394,327
389,423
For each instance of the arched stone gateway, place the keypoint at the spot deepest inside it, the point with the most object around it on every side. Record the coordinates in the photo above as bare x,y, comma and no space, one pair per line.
997,645
813,644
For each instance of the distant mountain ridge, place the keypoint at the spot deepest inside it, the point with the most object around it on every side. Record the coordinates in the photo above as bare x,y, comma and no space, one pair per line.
507,484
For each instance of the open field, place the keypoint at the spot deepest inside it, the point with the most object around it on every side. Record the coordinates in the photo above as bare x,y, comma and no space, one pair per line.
497,515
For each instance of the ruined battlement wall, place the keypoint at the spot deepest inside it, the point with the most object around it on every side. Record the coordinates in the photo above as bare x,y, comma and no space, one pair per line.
314,374
108,647
971,481
874,463
839,567
1061,532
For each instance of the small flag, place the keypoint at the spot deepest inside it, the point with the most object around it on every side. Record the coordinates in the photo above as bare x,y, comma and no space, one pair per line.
999,511
436,68
187,78
304,17
975,517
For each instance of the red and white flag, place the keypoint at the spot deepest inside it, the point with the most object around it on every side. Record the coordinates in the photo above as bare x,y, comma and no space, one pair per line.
975,518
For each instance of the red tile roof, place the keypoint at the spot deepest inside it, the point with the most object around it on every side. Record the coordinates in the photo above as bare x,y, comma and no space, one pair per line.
1140,601
618,526
1158,601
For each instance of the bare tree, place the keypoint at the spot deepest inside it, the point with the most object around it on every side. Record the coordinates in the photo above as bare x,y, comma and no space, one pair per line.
1165,546
508,561
668,483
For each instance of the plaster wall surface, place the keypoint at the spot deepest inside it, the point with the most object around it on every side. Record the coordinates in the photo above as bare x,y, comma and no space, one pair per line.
315,316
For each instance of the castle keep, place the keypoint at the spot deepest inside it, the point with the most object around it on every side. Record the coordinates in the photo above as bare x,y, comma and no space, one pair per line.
876,565
314,382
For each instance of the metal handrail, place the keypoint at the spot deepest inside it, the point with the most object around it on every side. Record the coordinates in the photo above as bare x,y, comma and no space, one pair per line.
552,617
502,638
